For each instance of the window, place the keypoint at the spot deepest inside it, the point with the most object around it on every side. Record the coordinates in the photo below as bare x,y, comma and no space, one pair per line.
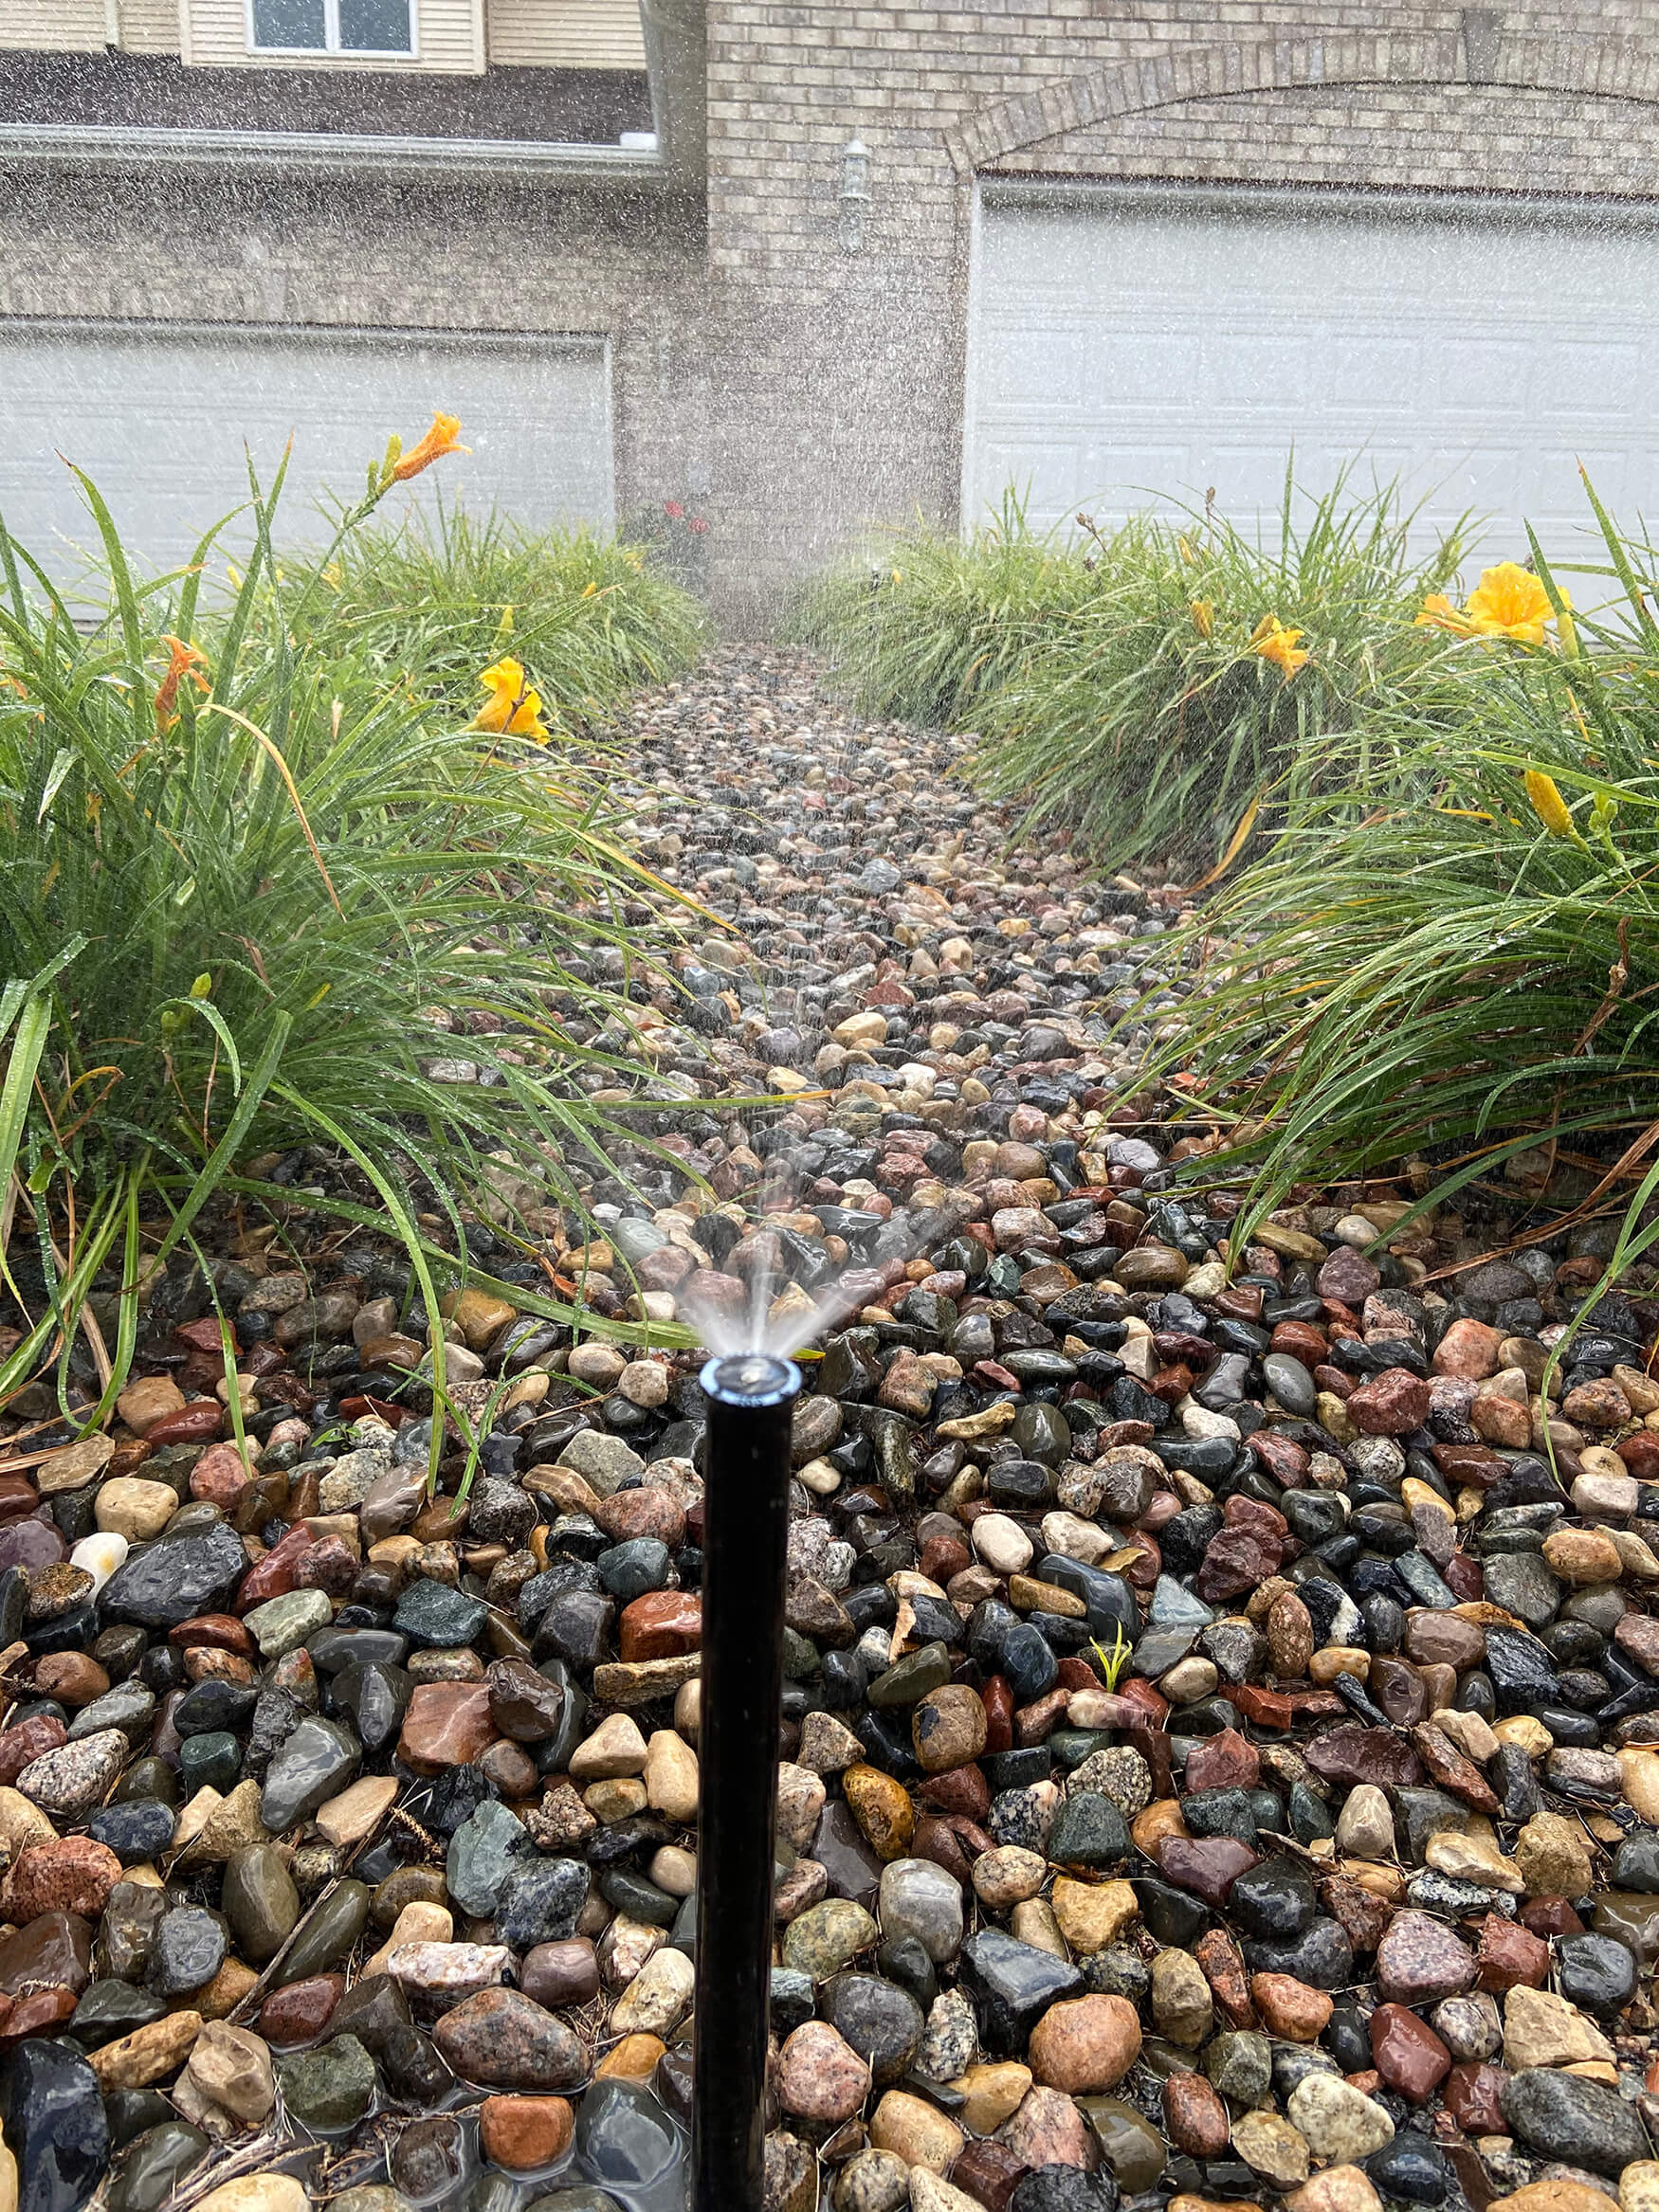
333,27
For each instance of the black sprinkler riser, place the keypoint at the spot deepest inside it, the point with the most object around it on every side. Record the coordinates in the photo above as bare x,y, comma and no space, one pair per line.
751,1404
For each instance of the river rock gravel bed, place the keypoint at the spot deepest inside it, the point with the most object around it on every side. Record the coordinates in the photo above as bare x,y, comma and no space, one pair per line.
1221,1758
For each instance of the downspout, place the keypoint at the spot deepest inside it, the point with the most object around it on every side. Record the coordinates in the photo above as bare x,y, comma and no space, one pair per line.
676,39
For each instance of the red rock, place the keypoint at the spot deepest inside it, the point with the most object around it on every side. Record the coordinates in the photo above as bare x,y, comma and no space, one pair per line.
1407,2052
1289,2008
962,1789
1421,1959
643,1512
1236,1560
51,1952
216,1632
448,1724
1470,2095
219,1476
1365,1755
1391,1403
300,2012
1049,2129
73,1874
1509,1956
1470,1350
1348,1277
1195,2117
1267,1707
1336,1380
662,1624
1465,1578
1303,1340
36,2015
198,1423
1361,1914
1222,1964
524,2132
1551,1917
989,2172
997,1699
274,1575
30,1740
937,1840
1477,1464
329,1565
1453,1770
1205,1865
1227,1761
1252,1512
1640,1454
1283,1458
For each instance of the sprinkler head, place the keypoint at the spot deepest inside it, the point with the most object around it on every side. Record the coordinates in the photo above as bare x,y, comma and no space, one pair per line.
751,1378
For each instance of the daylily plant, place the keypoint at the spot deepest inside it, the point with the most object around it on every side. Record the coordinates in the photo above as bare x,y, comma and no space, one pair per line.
1510,602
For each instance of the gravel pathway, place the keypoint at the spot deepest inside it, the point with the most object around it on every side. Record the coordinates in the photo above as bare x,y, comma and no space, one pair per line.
1221,1760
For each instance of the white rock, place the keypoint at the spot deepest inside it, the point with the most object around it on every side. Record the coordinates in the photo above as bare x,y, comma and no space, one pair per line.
1002,1544
98,1556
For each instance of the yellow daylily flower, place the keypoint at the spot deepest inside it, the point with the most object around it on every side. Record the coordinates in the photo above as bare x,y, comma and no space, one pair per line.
512,709
1203,613
1548,804
439,440
1275,642
1510,602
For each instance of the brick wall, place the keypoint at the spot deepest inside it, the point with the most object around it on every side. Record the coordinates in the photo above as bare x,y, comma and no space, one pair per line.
798,393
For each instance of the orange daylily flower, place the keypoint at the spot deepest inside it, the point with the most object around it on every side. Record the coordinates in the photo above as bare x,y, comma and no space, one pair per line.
512,709
1439,614
1275,642
185,661
439,440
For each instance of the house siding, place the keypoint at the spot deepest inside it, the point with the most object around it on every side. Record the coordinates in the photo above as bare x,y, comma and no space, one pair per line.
798,394
563,34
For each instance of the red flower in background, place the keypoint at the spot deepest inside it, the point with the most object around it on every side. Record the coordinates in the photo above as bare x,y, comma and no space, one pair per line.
697,527
673,510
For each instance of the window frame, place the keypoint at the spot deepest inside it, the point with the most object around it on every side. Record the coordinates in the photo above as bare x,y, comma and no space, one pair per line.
332,50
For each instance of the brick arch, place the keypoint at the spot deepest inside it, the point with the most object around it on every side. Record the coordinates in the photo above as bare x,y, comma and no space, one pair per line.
1611,69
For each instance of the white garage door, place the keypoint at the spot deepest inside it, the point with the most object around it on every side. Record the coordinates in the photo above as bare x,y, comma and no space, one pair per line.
1125,343
158,417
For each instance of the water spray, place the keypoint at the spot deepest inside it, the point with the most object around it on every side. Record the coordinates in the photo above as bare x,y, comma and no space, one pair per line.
751,1400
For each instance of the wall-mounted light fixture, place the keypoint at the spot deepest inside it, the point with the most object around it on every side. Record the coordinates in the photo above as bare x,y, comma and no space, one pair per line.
855,194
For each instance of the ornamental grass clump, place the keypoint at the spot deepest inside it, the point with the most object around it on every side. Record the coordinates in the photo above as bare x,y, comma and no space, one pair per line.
1469,959
250,893
1209,683
941,623
1158,690
432,603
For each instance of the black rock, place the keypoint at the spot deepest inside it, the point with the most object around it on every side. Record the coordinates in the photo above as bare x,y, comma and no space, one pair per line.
1011,1984
1562,2116
1275,1902
883,2023
55,2124
175,1578
1596,1973
1412,2169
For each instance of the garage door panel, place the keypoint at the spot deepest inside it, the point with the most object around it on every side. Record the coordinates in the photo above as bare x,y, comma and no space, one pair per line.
163,421
1477,361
